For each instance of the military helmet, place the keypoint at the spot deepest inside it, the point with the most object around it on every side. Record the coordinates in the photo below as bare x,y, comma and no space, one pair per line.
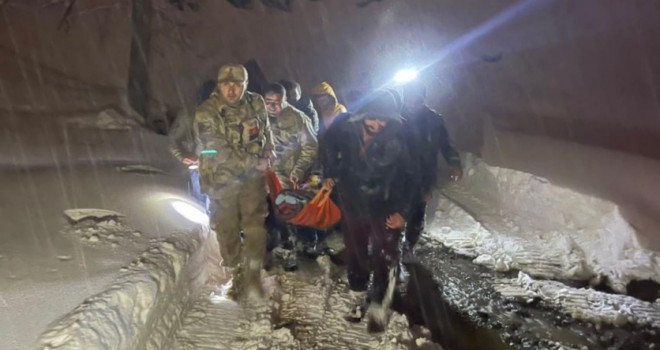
233,72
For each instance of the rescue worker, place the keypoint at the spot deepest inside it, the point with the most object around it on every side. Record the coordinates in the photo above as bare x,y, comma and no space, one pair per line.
235,148
366,157
295,150
427,136
293,136
328,106
295,98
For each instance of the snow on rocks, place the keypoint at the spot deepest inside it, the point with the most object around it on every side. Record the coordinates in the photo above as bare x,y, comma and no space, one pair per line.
582,303
100,226
111,119
78,215
107,119
507,219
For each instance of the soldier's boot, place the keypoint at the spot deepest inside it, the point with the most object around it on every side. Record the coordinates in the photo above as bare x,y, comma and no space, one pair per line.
252,288
236,283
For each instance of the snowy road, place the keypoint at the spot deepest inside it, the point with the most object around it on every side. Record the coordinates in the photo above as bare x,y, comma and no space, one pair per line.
306,312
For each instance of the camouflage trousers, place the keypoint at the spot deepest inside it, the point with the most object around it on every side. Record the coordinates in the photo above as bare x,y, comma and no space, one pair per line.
242,208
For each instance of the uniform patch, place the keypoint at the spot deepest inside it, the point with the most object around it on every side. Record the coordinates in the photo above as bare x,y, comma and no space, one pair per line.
254,133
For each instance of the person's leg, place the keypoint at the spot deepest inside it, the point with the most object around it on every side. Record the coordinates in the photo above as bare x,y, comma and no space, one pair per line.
253,212
195,186
385,255
356,242
227,227
273,236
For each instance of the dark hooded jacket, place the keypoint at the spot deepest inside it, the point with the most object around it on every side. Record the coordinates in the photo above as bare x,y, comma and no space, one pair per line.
378,179
427,135
305,105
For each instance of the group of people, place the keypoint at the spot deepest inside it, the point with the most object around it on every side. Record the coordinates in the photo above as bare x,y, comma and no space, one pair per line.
380,161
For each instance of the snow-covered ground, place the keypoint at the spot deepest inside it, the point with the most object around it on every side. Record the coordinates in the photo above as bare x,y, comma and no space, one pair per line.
511,220
507,219
49,165
102,248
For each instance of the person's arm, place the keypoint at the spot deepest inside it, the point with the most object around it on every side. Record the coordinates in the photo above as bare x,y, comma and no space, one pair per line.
177,134
447,149
308,145
329,152
406,182
408,179
262,116
313,116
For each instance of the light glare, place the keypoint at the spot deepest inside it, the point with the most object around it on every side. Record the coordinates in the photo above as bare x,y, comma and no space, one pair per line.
190,212
405,75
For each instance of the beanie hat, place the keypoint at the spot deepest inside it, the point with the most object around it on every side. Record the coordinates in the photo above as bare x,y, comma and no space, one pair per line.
381,104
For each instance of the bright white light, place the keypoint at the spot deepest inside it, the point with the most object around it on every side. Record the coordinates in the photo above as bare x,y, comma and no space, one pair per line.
190,212
406,75
193,167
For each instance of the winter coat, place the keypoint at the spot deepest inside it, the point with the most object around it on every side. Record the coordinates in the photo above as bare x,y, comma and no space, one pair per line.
427,136
376,181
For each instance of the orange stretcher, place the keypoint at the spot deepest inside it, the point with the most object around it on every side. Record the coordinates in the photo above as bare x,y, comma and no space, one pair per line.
296,207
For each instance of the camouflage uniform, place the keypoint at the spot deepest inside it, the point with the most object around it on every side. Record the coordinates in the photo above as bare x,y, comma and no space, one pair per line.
295,144
239,134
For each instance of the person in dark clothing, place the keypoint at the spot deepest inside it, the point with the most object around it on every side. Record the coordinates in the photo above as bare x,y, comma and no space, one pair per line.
206,90
366,157
182,142
427,136
303,103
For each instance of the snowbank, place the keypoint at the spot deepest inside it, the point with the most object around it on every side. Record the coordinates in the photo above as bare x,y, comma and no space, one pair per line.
582,303
507,219
141,308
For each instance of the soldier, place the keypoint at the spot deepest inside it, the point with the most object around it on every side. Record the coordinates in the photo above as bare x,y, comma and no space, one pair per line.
295,149
293,136
235,146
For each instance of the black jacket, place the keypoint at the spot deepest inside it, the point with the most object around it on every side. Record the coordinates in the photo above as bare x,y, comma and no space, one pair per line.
305,105
427,135
379,182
